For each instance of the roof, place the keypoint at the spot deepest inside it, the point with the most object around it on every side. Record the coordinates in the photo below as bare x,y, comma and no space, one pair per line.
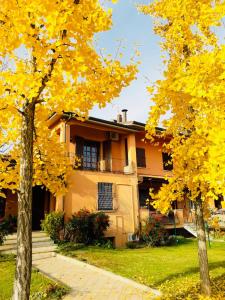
134,126
131,125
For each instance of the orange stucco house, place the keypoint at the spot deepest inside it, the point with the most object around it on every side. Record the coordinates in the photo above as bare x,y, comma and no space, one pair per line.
118,166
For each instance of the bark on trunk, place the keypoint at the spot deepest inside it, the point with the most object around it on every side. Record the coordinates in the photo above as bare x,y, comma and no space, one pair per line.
202,250
22,280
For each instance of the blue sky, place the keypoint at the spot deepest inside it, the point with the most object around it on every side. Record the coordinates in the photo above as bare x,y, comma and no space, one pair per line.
133,28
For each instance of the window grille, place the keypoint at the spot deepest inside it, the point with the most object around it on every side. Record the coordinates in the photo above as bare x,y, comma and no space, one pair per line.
105,196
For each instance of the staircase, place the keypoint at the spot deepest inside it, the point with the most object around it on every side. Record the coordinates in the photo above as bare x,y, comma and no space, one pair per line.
42,245
191,228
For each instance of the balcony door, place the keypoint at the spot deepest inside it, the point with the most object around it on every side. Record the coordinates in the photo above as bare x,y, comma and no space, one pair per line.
90,155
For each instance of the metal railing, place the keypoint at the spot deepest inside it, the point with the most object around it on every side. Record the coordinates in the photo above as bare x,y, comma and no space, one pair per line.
220,213
113,165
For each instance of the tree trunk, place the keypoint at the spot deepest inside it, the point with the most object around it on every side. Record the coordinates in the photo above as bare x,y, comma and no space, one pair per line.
22,280
202,250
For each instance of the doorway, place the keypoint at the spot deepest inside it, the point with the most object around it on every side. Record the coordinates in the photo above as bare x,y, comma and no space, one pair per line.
40,206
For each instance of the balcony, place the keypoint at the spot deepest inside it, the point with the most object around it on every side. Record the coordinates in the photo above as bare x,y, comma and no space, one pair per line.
220,214
117,166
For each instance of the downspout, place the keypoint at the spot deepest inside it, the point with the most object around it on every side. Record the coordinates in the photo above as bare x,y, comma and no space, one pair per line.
63,198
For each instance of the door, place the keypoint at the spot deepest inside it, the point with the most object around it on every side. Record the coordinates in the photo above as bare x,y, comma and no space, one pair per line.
39,201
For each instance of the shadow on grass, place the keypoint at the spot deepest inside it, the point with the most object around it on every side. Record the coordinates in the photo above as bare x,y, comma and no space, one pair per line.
190,271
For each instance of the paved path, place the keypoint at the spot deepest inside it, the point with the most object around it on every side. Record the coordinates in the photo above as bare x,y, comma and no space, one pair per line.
91,283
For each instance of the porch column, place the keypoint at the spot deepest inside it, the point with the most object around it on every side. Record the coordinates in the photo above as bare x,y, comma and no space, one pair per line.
65,135
59,205
131,145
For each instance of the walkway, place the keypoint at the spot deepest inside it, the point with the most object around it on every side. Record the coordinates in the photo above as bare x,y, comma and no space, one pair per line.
91,283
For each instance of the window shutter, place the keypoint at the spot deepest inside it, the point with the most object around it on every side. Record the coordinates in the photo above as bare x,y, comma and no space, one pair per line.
79,148
107,154
141,161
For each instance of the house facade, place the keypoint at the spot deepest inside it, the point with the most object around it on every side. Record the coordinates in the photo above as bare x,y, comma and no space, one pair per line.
117,168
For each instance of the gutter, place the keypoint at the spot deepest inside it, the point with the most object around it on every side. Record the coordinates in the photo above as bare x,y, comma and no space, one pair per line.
112,126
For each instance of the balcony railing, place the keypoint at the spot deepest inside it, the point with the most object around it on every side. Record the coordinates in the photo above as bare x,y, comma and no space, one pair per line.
221,216
113,165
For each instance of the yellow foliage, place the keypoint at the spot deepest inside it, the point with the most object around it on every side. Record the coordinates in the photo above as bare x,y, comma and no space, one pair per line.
193,90
187,288
47,58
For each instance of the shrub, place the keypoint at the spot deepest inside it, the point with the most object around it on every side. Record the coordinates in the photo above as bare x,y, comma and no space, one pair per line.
69,246
106,243
7,226
2,236
153,232
53,224
132,245
86,227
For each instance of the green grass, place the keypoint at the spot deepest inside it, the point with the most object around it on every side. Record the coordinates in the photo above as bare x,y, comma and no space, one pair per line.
174,269
41,286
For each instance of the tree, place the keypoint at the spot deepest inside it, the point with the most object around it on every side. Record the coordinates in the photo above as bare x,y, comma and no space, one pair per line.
192,90
52,67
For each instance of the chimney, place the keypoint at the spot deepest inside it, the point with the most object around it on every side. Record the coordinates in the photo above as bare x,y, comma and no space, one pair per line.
124,118
119,118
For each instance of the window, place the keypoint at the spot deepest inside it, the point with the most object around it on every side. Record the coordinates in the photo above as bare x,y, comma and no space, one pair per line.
167,161
174,205
90,156
218,201
88,153
105,196
2,207
141,163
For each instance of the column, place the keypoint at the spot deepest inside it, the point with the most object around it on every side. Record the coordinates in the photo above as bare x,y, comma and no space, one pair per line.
131,145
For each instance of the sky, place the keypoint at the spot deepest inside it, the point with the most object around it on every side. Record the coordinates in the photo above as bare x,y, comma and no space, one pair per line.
133,30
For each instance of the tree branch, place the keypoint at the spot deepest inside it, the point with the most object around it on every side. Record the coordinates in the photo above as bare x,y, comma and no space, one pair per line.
44,81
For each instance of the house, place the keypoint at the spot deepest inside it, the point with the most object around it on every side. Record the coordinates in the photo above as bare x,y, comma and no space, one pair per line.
118,166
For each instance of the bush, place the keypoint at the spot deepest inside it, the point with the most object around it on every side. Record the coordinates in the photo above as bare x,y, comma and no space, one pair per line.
70,246
7,226
106,243
2,236
53,224
86,227
132,245
153,232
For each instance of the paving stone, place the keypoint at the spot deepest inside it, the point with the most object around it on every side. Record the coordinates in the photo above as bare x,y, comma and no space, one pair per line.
91,283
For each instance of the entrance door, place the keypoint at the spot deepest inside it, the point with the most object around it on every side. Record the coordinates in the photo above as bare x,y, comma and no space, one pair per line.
40,205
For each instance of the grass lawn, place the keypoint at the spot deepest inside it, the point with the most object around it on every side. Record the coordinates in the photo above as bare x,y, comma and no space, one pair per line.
41,286
174,269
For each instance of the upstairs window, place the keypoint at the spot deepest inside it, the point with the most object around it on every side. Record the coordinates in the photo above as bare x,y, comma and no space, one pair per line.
141,162
167,161
90,156
88,153
105,196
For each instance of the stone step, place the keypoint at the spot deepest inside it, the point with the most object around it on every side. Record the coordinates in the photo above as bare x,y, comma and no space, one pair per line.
44,249
13,246
39,256
191,228
35,234
48,249
11,241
